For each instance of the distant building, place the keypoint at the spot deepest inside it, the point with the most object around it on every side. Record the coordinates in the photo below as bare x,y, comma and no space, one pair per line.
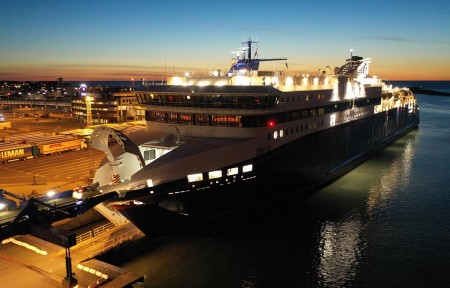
98,108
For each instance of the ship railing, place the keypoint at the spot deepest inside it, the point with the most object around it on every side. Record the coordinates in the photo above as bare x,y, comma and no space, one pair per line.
95,232
216,105
103,244
119,240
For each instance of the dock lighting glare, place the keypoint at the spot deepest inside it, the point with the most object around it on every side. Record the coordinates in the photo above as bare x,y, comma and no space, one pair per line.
50,193
2,206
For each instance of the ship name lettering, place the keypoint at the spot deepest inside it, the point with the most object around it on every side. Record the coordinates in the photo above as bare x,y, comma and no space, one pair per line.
382,129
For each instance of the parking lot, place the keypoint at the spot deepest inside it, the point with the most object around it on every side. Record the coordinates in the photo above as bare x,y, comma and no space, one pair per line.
25,120
58,172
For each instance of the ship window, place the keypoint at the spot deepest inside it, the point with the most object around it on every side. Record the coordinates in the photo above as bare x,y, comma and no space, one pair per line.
149,154
247,168
281,133
149,183
185,119
195,177
215,174
202,119
275,134
232,171
172,118
268,136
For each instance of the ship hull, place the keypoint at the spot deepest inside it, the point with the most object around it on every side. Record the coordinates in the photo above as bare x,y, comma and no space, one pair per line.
297,167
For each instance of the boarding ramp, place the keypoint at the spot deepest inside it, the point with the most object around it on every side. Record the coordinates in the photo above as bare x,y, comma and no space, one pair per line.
112,215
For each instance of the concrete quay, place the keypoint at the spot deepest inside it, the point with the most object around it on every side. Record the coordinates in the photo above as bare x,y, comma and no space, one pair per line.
27,261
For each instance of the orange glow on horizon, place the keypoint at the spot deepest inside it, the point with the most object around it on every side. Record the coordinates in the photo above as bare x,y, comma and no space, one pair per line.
385,69
96,76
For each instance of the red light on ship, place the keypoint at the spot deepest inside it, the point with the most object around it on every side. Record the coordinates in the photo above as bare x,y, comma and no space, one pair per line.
271,123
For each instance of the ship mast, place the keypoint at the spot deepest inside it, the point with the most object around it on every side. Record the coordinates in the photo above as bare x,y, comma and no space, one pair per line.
249,63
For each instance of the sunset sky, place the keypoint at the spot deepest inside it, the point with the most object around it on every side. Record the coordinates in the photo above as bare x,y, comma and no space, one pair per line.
120,40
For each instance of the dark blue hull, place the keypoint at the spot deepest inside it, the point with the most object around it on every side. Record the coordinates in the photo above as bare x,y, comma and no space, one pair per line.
298,167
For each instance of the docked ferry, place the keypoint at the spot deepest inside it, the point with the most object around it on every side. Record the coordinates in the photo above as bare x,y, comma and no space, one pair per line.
218,143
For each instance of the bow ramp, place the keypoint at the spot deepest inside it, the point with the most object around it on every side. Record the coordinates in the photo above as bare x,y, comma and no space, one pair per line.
123,159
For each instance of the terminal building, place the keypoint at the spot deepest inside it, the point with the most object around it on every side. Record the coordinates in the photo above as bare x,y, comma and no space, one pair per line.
96,108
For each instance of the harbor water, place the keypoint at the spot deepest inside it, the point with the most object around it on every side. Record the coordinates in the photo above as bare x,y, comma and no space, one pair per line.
384,224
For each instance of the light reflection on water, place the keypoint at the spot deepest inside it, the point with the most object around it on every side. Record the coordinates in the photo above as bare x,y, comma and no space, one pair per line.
322,241
318,242
341,242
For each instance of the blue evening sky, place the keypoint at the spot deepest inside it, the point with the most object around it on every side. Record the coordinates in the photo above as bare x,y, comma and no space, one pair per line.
113,39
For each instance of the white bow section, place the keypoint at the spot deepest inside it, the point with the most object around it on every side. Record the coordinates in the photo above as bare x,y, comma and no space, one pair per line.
100,141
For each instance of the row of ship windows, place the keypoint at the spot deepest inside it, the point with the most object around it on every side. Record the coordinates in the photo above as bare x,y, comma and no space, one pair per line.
219,173
230,99
250,121
208,100
230,120
285,132
307,98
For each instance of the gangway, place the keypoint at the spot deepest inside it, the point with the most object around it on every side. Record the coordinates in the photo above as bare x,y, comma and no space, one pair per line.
11,203
112,215
38,212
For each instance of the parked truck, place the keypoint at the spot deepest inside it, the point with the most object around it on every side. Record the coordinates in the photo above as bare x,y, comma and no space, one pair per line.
62,146
14,151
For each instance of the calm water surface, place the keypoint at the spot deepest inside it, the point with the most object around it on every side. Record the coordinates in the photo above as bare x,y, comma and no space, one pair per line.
385,224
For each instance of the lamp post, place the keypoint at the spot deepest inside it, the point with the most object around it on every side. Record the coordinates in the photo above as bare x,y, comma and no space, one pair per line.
132,81
98,118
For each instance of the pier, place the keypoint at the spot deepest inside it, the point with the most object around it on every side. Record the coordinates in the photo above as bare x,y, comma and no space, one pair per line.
27,260
31,248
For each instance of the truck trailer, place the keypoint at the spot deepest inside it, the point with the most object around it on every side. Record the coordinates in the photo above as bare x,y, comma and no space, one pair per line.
13,152
62,146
